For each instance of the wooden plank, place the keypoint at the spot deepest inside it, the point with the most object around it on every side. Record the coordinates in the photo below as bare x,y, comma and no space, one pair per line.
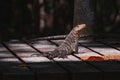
10,69
111,69
108,67
105,50
25,52
48,70
76,68
45,46
85,53
44,68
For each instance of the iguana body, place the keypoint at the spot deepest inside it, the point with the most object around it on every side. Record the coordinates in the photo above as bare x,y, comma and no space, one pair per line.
69,45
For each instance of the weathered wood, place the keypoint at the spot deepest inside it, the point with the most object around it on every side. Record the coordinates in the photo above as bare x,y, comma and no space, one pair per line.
24,51
42,66
85,54
108,67
106,50
76,68
70,65
79,69
10,69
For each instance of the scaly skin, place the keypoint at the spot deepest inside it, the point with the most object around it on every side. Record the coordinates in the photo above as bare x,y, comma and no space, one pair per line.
69,46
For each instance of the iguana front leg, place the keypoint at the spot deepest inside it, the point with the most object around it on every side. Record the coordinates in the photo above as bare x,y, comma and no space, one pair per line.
53,54
69,46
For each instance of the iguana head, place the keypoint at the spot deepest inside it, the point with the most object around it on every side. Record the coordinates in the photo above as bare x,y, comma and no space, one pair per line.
79,29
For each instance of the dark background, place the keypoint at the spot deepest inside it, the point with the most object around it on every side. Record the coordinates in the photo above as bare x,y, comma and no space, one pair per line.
32,18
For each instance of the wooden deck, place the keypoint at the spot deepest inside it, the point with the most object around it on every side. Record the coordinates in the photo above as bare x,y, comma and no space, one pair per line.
16,62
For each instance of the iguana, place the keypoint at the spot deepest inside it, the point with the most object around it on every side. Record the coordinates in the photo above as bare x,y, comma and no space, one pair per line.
69,46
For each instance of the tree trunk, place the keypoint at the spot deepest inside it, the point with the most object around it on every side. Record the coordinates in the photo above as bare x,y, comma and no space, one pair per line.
84,13
42,15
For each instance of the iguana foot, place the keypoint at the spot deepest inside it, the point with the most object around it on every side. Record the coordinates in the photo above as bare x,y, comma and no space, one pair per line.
52,55
49,55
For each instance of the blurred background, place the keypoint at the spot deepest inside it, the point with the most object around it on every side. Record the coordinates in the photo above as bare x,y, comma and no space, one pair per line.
32,18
